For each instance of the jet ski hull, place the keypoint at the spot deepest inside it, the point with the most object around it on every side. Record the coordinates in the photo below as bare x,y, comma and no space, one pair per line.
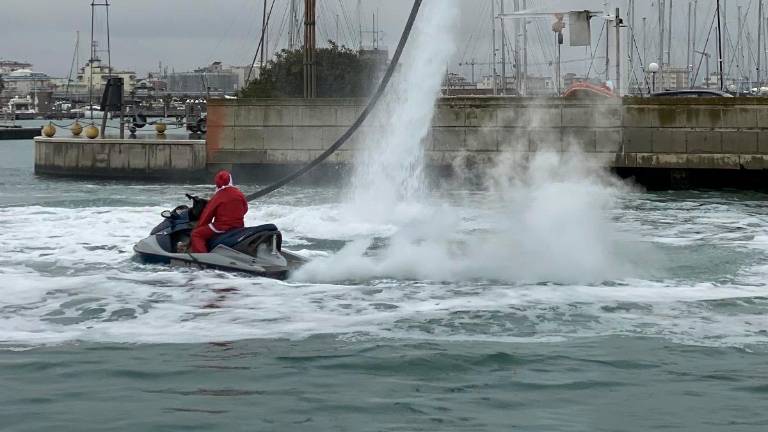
273,265
202,262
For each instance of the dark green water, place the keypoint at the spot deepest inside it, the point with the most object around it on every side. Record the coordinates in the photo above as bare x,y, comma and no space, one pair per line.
650,313
322,383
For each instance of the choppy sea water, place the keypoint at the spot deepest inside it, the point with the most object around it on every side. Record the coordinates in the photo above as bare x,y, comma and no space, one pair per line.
667,328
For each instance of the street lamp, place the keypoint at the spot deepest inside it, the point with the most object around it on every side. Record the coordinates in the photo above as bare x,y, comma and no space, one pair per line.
653,68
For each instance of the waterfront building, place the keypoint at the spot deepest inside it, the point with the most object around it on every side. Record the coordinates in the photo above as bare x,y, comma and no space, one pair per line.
242,74
210,79
8,66
24,82
713,81
486,82
539,86
671,78
96,73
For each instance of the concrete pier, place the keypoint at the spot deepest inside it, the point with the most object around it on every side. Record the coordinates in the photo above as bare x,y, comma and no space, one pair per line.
18,133
154,158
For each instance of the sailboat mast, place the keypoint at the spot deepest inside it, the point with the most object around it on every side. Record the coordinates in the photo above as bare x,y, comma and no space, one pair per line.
739,50
688,62
661,39
759,40
360,21
90,62
607,47
669,36
263,32
493,45
645,41
618,53
720,47
109,44
630,41
524,87
75,63
516,52
503,49
291,25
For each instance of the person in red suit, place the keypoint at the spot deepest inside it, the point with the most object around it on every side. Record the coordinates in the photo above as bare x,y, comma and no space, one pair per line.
224,212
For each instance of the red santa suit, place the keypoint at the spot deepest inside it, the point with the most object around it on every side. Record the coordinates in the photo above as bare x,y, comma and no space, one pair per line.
225,211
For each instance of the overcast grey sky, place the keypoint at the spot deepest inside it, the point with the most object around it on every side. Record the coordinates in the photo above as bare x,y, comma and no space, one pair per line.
186,34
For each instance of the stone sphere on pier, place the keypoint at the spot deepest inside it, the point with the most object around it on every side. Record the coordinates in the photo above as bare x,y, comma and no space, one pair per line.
49,130
91,131
160,127
77,128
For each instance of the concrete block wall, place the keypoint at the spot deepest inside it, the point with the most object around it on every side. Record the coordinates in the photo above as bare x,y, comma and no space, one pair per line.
114,158
695,133
276,131
727,133
294,131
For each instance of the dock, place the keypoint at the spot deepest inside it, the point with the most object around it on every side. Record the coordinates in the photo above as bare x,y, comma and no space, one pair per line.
18,133
158,157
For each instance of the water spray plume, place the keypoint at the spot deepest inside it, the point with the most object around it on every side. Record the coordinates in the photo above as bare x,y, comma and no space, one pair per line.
389,173
543,219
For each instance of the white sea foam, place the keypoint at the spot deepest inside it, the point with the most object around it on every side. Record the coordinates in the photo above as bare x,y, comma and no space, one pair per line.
542,254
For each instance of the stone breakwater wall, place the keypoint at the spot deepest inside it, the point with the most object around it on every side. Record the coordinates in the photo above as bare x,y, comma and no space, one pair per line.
141,158
628,133
677,137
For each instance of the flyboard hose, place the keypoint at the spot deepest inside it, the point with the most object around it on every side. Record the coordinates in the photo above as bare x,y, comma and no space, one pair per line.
360,120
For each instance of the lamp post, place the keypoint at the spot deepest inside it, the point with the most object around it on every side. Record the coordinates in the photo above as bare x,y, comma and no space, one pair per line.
653,68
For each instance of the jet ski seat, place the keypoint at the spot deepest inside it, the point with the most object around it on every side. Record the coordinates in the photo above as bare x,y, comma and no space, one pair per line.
232,238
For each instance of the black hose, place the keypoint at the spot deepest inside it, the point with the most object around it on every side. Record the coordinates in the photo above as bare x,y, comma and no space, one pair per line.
359,122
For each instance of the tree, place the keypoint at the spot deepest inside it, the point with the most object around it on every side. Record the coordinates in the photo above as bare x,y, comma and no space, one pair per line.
341,73
2,84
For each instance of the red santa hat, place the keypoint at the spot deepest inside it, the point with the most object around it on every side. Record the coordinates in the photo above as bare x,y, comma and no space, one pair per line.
223,180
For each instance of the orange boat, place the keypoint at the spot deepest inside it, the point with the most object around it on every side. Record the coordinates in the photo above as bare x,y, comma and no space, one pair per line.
585,90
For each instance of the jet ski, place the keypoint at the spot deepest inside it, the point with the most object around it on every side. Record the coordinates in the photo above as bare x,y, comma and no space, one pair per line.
255,250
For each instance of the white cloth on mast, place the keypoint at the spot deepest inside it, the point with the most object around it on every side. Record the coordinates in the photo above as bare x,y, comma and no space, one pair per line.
581,34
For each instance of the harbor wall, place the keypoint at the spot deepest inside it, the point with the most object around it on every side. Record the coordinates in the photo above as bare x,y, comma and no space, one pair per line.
141,158
664,140
624,134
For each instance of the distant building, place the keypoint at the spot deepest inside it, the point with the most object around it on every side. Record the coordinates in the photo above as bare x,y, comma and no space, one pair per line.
94,75
670,78
486,82
8,66
454,80
539,86
457,85
242,74
714,82
23,82
210,79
